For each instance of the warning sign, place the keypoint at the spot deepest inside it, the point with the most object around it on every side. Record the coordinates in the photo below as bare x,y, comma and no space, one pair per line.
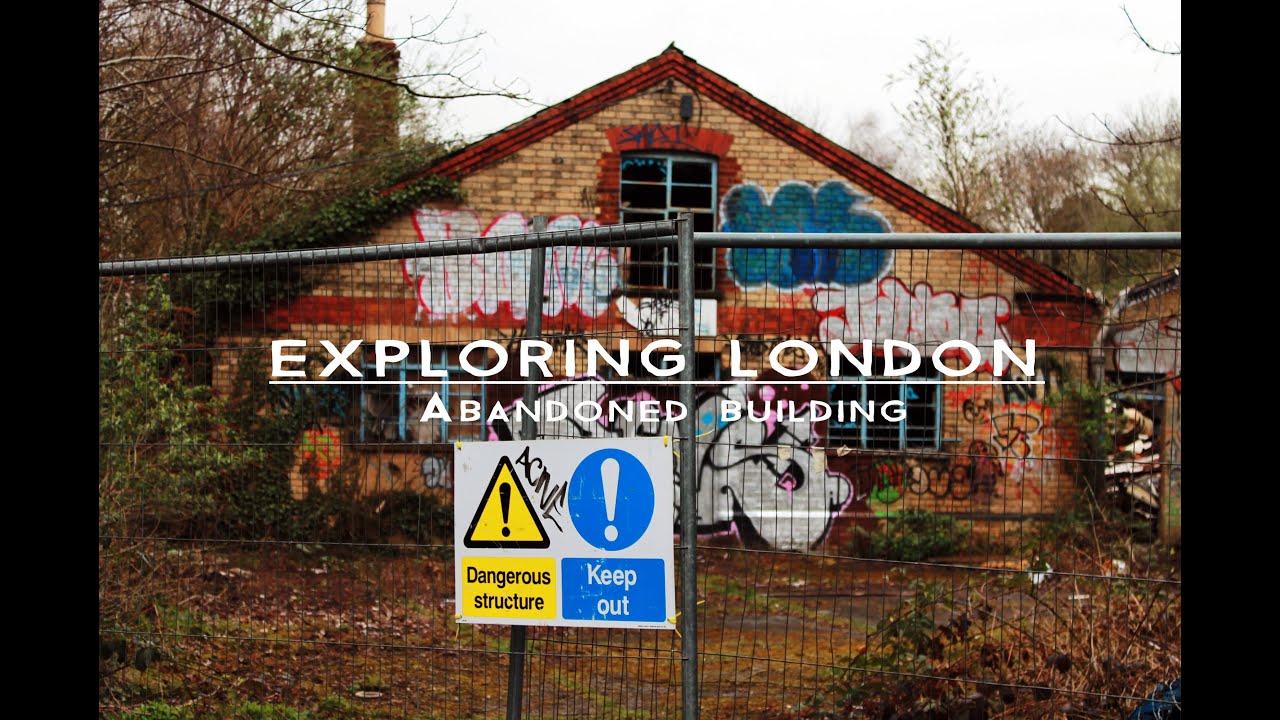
505,519
565,532
611,501
510,587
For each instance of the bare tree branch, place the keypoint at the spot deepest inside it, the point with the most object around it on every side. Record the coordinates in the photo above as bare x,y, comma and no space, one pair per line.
149,58
1150,47
218,118
1119,138
290,55
188,153
174,76
260,179
325,15
1127,211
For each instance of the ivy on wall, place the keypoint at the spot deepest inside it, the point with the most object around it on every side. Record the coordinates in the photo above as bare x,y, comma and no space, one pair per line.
350,219
220,296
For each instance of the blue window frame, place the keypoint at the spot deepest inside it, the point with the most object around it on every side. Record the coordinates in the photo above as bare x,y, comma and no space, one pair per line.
922,426
390,413
659,186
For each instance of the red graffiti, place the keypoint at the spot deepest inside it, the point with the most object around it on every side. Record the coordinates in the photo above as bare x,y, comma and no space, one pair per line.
321,453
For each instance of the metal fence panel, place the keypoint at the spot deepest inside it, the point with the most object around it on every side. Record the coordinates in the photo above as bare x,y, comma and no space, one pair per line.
1013,546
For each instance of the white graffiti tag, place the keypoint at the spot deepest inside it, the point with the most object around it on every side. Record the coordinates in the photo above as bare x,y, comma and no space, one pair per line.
921,317
1154,347
661,316
757,479
577,278
435,471
763,479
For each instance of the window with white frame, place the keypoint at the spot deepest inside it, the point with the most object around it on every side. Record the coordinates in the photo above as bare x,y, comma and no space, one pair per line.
922,425
660,186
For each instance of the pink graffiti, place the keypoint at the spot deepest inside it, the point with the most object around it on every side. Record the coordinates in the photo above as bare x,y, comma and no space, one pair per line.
921,317
581,279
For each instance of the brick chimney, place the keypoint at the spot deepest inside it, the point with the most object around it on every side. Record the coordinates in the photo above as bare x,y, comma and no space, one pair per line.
376,120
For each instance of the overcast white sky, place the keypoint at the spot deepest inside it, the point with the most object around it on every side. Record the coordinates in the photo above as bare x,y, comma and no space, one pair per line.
824,63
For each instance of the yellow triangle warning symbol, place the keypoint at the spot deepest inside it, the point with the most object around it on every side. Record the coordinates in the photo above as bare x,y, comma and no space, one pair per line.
505,518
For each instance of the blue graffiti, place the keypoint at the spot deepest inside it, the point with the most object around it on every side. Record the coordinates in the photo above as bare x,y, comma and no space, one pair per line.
797,207
659,163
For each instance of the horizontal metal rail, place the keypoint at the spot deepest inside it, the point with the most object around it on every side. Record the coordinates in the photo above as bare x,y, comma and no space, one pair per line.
947,241
659,233
642,233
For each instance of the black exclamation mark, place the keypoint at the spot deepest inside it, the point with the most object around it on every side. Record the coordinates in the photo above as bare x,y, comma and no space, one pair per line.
504,497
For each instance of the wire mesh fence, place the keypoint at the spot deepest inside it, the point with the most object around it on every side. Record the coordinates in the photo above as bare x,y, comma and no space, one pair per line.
999,542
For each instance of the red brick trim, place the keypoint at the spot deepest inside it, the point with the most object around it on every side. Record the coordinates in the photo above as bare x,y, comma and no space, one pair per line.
607,191
659,136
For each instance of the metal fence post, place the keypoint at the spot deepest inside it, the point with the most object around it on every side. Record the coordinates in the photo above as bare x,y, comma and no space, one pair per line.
688,479
528,431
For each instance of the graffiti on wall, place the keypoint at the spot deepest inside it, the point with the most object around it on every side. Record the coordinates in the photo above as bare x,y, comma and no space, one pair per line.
972,401
580,279
661,316
651,316
436,472
833,206
1018,436
667,136
1048,370
761,481
321,453
1008,453
1153,347
918,316
972,475
1023,442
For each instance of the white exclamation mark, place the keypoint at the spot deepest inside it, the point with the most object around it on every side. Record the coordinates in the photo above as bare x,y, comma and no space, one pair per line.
609,476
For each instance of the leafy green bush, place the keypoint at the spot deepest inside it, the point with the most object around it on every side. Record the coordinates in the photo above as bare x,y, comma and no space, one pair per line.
165,446
166,452
913,536
176,459
1085,408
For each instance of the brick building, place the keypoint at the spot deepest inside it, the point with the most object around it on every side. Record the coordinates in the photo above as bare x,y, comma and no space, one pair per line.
1141,345
670,135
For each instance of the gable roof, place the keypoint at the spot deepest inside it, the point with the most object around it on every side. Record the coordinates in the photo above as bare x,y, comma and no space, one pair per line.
672,63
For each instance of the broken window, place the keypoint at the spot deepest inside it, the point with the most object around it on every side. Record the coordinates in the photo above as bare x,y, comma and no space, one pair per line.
660,186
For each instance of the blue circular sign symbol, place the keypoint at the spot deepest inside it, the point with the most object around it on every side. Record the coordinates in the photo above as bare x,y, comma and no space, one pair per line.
611,499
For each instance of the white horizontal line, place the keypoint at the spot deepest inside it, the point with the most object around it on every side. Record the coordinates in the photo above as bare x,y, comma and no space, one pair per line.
659,383
789,514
